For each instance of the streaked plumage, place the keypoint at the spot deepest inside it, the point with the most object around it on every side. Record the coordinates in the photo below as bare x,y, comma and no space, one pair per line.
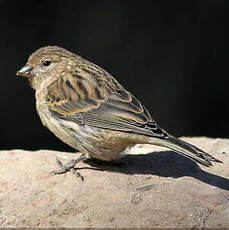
88,109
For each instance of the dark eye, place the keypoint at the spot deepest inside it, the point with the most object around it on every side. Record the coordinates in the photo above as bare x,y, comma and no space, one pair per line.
46,63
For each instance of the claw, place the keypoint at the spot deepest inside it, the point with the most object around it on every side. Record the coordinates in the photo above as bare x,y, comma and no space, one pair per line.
59,163
69,166
75,172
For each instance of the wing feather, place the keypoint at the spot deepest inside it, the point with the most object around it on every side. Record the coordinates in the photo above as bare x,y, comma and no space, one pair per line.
108,106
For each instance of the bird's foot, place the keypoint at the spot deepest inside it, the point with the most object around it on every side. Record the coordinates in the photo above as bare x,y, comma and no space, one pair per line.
69,166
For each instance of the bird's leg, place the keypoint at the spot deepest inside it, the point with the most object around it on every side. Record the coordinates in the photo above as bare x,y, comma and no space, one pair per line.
70,166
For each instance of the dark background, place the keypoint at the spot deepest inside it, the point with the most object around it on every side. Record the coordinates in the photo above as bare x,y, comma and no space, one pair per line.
172,55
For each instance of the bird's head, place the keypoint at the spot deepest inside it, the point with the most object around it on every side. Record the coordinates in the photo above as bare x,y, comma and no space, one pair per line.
47,62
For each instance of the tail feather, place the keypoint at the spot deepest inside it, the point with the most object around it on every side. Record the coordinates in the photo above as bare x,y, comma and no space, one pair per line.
189,151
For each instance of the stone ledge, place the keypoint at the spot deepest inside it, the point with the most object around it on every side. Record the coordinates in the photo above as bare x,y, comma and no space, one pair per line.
156,189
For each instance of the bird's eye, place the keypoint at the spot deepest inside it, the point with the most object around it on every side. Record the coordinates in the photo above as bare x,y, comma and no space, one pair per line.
46,63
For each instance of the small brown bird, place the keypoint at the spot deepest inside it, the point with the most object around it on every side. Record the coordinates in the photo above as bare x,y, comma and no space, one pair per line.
87,108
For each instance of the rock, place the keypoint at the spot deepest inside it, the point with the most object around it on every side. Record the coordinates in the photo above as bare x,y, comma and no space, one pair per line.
156,189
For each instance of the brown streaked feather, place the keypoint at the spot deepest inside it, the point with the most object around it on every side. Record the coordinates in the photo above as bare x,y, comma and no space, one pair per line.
109,106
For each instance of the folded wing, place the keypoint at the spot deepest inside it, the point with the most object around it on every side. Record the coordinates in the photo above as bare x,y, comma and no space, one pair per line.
100,103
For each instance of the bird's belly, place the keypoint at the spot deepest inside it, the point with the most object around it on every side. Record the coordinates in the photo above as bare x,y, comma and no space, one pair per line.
99,143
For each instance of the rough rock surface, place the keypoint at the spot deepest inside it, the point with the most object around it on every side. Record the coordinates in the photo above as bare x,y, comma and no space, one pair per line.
157,189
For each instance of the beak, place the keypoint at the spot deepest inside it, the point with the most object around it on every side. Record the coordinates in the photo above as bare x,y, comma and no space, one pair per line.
25,71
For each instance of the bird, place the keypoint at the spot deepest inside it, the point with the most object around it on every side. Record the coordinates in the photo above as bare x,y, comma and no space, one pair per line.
88,109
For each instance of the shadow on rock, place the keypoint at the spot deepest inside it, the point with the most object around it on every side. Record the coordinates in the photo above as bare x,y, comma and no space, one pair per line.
163,164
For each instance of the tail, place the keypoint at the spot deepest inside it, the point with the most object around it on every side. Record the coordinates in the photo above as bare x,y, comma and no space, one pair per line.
188,150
